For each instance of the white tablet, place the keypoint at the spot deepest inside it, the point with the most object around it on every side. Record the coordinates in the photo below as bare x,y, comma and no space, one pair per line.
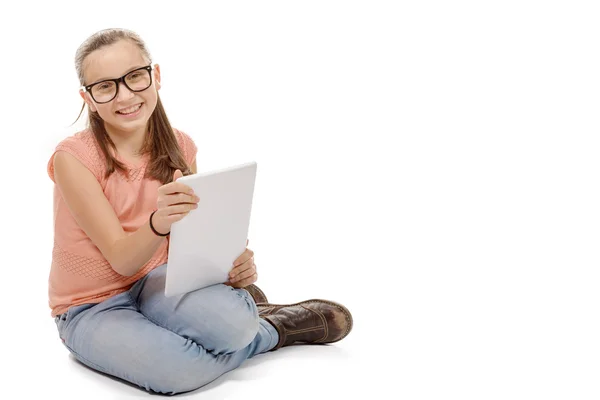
204,244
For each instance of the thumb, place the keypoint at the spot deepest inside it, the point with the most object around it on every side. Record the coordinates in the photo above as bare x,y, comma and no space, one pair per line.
177,175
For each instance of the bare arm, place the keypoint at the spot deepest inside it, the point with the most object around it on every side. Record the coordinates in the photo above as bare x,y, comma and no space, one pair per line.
93,213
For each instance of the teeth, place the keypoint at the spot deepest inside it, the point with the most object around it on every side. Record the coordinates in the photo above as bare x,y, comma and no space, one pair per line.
130,109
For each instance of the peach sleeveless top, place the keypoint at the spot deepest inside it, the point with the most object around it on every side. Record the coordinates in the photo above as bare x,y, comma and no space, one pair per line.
79,273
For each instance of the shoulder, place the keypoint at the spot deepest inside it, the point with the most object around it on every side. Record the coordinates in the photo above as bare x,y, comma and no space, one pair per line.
182,137
83,146
187,145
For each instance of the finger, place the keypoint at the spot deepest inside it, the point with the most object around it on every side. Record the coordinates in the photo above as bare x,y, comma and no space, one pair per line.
181,198
180,208
177,174
247,241
241,268
247,281
241,261
175,187
169,219
246,255
176,217
237,277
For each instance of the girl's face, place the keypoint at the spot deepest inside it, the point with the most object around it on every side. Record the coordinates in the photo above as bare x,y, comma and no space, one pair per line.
112,62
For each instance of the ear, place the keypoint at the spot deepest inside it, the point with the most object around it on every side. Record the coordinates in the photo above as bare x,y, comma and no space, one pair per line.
157,76
87,99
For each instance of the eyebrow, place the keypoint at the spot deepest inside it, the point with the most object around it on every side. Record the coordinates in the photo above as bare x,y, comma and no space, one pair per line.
107,79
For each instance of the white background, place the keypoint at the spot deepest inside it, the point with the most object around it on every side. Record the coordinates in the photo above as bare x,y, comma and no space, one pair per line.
432,165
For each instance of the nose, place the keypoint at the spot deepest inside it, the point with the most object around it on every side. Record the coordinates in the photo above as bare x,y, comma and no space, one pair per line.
124,92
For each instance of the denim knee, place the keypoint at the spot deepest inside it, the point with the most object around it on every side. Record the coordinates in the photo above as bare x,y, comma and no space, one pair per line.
242,326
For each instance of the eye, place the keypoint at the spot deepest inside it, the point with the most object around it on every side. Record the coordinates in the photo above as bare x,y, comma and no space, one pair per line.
134,76
104,87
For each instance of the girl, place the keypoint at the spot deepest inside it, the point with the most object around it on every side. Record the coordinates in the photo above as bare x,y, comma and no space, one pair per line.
115,199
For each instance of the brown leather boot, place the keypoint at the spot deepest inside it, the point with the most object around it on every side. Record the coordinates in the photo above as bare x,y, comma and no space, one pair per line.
311,321
257,294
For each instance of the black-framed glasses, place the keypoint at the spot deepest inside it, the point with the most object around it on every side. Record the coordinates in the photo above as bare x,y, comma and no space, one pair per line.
104,91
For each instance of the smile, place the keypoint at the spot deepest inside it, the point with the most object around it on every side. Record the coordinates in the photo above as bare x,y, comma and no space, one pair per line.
129,110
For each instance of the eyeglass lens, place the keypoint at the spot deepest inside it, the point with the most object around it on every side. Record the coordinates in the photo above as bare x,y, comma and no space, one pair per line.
135,81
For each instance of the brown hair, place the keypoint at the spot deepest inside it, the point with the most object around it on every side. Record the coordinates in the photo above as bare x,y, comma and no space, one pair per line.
160,142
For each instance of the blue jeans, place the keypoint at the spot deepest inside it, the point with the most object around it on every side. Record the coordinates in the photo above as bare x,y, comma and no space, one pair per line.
167,344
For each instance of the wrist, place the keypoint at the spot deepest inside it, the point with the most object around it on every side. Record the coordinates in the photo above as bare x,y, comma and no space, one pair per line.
157,231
